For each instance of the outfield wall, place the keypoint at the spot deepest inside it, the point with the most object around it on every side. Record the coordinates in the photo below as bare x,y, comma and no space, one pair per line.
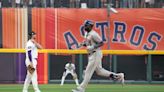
138,67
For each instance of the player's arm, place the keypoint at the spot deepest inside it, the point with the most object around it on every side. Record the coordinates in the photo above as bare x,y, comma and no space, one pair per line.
30,67
66,67
37,44
84,42
29,50
73,66
97,39
99,44
30,56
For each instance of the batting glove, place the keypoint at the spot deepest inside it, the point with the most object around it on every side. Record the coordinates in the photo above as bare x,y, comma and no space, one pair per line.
90,48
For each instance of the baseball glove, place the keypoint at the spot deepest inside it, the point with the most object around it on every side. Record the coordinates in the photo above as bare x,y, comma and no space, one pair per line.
31,69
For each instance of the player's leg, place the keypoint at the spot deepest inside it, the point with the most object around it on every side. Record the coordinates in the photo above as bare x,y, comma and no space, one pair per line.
118,77
35,81
63,77
27,82
88,73
105,73
75,77
101,71
83,74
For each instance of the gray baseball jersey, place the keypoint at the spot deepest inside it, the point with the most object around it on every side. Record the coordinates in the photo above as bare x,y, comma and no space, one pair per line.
93,38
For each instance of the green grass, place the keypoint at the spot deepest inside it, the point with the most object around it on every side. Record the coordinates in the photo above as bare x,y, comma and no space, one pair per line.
90,88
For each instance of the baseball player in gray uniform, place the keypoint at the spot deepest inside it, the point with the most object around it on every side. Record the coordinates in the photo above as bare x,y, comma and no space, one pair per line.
93,42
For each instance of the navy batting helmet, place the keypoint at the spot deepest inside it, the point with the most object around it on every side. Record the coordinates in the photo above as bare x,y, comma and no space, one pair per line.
88,22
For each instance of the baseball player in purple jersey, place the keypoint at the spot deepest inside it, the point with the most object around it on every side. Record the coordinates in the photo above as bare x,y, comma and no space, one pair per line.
31,62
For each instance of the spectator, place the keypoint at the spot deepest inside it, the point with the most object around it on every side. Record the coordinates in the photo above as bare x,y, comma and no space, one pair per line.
130,3
93,3
43,3
37,3
77,3
136,4
103,3
158,3
11,4
141,4
30,3
152,3
147,3
47,2
5,3
25,3
117,4
61,3
84,2
123,3
52,2
74,3
18,3
57,3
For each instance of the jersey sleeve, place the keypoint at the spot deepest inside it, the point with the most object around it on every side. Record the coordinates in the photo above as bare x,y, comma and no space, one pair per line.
29,47
66,66
73,66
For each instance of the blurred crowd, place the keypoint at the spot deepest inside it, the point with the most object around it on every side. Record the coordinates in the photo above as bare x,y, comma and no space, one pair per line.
138,3
83,3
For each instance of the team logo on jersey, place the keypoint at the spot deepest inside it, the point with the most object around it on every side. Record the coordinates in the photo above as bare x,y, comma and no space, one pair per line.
29,47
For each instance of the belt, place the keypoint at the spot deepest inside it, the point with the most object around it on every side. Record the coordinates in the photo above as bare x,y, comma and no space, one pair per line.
91,52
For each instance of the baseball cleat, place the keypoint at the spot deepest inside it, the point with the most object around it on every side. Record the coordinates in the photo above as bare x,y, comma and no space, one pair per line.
118,77
38,91
24,91
78,90
121,78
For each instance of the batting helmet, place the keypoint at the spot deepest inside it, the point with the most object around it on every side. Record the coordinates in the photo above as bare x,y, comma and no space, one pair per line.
88,22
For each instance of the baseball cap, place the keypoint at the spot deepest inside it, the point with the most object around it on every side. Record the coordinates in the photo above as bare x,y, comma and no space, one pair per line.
31,33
